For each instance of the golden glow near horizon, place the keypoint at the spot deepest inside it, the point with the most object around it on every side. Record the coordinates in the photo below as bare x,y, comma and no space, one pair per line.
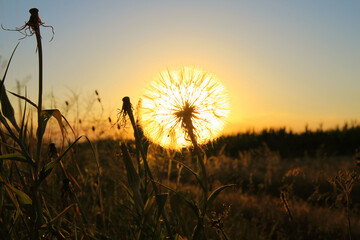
174,94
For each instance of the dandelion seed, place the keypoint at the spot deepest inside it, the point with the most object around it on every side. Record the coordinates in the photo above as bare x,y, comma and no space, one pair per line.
183,100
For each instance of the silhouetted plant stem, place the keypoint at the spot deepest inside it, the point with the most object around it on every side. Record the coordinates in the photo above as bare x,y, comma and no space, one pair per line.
35,24
186,114
36,218
190,130
128,110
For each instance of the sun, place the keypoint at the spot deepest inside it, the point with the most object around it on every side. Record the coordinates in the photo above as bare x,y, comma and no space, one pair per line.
183,102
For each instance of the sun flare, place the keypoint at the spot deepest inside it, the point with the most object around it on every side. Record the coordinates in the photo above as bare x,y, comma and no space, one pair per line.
177,100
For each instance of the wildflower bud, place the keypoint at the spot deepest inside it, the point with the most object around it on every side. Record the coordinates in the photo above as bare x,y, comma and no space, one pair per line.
34,11
126,104
34,20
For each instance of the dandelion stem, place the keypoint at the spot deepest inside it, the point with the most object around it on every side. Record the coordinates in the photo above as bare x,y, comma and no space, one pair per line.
199,232
35,24
190,130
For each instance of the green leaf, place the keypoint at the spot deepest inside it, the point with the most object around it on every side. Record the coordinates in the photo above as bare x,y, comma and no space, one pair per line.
216,192
6,107
14,157
23,197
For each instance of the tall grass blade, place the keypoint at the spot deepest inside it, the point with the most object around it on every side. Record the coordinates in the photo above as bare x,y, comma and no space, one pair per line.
6,106
133,178
15,157
58,216
24,98
216,192
22,131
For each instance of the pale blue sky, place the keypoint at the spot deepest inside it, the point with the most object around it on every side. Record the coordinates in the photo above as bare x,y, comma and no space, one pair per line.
285,63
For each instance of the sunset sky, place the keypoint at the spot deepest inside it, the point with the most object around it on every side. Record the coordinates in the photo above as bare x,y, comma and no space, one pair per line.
284,63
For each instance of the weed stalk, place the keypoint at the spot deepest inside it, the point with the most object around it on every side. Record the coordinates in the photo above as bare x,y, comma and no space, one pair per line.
128,110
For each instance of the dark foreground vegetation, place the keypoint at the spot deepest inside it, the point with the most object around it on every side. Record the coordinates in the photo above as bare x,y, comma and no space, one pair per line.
308,196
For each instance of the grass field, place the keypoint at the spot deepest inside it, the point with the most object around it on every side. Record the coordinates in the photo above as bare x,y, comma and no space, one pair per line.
273,197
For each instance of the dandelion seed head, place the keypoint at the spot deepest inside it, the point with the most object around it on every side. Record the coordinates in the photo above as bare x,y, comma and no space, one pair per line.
177,99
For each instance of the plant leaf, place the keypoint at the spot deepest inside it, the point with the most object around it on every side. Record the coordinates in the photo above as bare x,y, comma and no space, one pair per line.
23,197
45,115
6,106
15,157
24,98
133,177
216,192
